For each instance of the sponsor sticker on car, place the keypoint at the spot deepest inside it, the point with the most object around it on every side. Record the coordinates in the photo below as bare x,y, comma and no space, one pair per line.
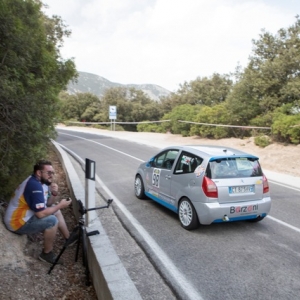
199,171
243,209
156,177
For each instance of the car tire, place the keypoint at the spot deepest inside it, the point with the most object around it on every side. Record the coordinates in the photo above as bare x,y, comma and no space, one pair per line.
187,215
258,219
139,189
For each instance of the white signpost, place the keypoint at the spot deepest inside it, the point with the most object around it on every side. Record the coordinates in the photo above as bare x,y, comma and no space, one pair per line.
113,116
90,171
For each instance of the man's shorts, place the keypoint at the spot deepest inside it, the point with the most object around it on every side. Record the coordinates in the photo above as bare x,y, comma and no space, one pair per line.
36,225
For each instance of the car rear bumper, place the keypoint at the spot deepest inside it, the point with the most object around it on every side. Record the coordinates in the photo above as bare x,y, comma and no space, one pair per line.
216,213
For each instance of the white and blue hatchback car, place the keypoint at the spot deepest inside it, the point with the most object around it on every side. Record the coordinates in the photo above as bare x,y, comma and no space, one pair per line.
205,184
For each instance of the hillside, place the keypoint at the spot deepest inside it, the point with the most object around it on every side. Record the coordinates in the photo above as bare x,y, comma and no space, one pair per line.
97,85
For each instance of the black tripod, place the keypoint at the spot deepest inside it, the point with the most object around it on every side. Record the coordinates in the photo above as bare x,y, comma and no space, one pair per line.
82,234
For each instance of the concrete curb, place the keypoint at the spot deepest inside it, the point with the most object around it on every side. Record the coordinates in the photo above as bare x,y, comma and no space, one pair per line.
109,276
283,179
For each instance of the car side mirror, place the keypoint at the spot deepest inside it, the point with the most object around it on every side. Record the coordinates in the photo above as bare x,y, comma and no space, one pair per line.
150,162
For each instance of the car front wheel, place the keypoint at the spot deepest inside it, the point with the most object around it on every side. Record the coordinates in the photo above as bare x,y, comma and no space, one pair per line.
187,215
139,189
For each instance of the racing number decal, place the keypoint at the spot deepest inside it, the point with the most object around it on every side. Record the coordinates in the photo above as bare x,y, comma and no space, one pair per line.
155,177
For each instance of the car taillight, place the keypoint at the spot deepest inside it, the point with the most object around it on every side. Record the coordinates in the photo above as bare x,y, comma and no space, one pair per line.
209,188
265,184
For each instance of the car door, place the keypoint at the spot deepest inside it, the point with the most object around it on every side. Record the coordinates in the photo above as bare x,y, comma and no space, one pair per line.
160,175
186,178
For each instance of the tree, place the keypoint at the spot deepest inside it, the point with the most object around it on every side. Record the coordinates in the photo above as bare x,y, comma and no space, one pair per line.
286,124
132,106
185,112
204,91
217,114
81,106
241,104
272,77
32,73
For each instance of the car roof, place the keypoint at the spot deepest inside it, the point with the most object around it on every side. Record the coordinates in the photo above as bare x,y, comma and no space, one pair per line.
210,151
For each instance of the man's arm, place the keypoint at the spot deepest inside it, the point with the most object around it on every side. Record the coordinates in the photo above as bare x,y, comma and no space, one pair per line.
53,209
53,188
34,196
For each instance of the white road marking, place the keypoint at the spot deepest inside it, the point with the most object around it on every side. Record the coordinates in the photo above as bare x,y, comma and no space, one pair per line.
284,185
79,137
284,223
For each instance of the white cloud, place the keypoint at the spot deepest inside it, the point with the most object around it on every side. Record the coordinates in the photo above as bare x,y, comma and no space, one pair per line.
166,42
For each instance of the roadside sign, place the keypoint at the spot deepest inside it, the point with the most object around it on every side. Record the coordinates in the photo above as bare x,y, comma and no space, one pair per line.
112,112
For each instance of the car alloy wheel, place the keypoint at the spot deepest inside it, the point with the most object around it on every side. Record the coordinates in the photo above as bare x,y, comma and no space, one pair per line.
139,187
187,215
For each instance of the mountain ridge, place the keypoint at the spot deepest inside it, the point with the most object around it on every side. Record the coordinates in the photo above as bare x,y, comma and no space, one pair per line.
97,85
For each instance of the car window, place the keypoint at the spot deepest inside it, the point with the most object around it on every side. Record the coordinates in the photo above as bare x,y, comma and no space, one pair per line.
234,168
165,160
187,163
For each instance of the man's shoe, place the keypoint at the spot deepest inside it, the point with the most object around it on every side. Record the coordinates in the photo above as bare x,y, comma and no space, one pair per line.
49,258
72,240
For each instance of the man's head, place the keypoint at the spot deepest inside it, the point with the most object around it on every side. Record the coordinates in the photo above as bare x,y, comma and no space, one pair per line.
44,171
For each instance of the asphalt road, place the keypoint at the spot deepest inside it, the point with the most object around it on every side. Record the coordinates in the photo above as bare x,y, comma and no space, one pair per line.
238,260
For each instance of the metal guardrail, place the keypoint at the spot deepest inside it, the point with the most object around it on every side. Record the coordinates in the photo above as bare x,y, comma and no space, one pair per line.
222,125
148,122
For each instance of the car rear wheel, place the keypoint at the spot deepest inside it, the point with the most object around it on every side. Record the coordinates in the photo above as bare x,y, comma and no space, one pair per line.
256,219
139,187
187,215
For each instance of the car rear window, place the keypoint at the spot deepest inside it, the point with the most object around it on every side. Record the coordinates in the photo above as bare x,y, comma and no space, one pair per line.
234,168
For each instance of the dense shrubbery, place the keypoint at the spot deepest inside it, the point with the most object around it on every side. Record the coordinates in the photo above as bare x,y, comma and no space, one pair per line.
262,141
212,115
150,127
286,127
32,73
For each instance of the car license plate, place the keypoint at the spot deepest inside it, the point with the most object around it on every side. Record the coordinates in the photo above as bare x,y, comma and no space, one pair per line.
241,189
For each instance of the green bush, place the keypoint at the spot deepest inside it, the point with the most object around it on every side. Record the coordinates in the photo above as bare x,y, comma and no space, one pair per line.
286,125
185,112
116,127
211,115
102,126
262,141
150,127
73,122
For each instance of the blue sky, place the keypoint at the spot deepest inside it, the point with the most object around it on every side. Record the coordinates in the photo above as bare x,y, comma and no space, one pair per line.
166,42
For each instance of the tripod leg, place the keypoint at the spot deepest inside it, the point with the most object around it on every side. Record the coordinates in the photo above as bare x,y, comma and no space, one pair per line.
72,235
57,258
84,257
78,243
74,232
